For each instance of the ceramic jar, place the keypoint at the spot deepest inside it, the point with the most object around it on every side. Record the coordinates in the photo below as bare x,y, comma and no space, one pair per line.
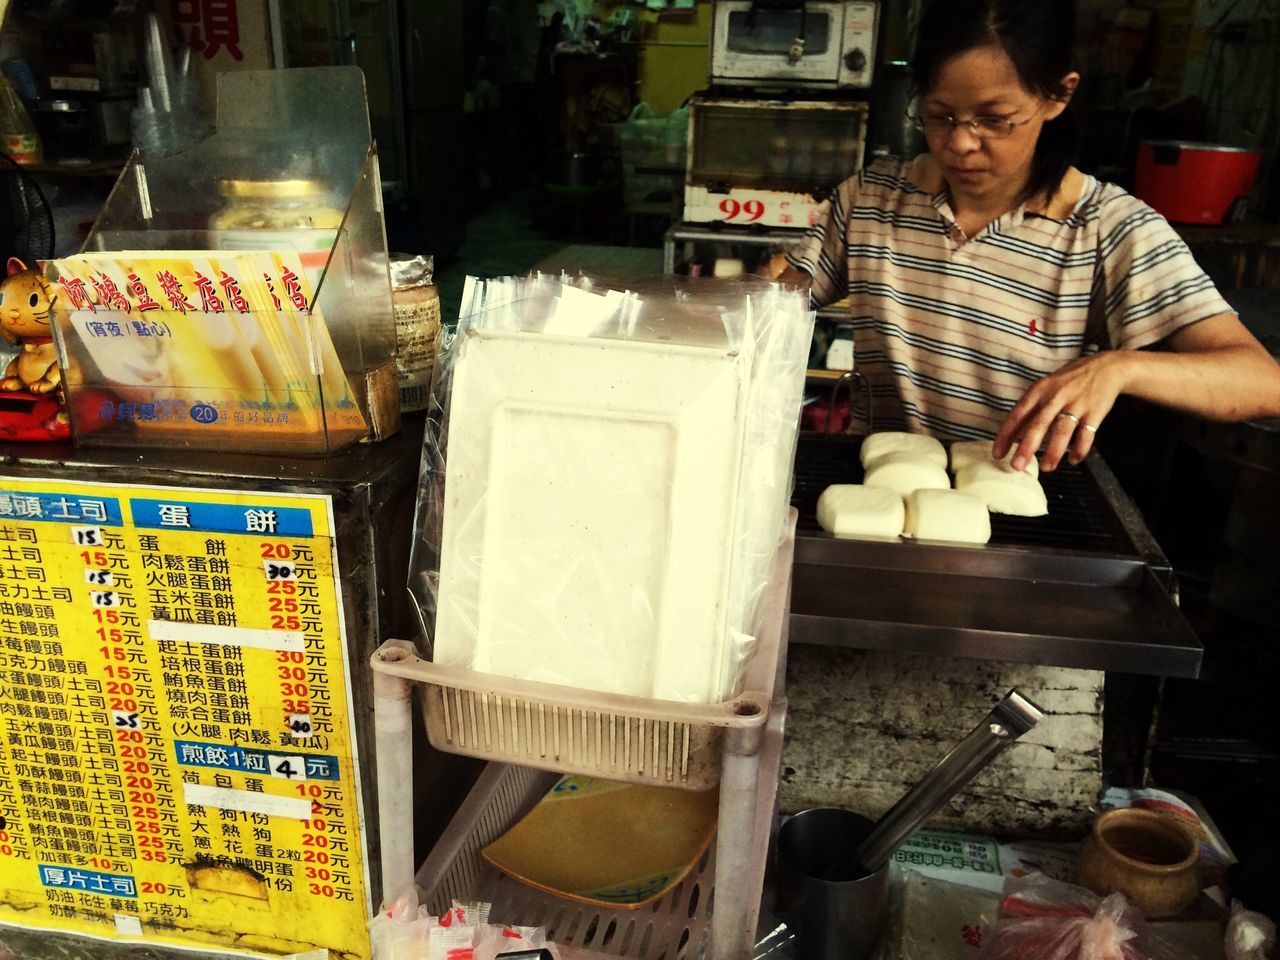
1149,857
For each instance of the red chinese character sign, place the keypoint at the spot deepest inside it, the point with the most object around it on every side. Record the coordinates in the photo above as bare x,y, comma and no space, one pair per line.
218,349
208,26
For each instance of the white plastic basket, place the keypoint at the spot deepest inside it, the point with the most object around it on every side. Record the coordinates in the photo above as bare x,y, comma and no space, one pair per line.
614,736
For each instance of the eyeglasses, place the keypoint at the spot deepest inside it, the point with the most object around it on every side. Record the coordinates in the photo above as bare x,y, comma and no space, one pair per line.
984,128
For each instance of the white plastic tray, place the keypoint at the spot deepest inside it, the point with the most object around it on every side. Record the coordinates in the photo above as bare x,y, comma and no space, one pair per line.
590,500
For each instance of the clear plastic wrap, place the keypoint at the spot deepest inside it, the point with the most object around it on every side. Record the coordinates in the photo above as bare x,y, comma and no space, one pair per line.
1051,920
606,473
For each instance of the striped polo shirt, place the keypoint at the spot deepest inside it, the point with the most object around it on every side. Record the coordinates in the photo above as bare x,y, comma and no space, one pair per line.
951,332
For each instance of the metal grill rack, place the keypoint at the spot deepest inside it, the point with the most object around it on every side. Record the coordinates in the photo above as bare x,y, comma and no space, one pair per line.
1086,586
1080,517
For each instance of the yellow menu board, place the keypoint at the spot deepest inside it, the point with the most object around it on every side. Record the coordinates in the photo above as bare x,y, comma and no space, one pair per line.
178,762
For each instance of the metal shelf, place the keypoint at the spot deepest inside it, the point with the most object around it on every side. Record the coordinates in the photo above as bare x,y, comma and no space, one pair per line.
682,233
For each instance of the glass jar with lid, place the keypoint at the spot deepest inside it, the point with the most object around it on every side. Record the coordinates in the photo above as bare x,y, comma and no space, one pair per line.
275,215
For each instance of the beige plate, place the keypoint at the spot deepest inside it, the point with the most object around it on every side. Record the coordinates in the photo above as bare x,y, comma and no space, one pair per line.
607,844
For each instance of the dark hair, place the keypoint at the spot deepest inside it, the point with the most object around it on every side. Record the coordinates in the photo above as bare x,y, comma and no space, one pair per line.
1038,36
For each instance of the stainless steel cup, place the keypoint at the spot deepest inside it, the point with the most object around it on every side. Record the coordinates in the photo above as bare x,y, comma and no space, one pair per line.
832,919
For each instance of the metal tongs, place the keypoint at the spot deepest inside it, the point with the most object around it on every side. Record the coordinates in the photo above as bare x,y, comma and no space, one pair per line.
858,388
1012,717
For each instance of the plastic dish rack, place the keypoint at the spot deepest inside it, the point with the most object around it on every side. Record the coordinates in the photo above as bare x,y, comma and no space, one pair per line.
533,731
680,924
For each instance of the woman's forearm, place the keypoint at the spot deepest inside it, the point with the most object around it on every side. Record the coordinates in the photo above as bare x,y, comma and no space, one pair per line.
1228,383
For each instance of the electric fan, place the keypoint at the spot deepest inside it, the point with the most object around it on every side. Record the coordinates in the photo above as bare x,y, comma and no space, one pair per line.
26,222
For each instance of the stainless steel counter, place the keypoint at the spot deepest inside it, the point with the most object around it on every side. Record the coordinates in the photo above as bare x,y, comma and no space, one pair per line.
1085,587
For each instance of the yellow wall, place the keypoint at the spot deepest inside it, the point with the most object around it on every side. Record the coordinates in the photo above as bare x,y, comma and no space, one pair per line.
673,56
673,53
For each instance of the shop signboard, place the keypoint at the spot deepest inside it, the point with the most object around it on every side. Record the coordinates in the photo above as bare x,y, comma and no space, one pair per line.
767,208
184,347
178,764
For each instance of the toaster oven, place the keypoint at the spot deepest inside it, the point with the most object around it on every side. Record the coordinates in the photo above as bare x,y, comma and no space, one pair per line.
769,162
806,44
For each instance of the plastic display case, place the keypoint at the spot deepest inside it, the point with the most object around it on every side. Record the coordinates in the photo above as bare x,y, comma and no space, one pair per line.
235,295
527,729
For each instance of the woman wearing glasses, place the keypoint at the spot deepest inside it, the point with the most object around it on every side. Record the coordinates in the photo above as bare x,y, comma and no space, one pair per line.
997,291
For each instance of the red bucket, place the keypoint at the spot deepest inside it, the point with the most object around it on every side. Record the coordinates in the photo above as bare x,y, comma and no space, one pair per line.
1195,182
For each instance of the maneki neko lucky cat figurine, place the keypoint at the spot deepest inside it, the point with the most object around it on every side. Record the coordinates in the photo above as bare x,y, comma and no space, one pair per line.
33,375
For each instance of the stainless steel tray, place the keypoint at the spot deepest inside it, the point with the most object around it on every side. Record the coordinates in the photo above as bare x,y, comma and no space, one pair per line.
1086,586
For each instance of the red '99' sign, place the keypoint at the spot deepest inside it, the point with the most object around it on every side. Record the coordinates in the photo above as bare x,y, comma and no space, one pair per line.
750,211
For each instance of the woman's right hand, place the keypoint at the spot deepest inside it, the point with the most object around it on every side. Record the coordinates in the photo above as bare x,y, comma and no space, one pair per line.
777,268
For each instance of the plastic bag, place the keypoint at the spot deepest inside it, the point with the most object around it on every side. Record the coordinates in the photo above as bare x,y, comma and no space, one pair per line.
407,931
1051,920
655,139
606,478
940,920
401,931
1250,935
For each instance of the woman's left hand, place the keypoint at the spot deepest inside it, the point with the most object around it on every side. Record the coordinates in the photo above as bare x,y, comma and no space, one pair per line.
1062,411
1213,368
